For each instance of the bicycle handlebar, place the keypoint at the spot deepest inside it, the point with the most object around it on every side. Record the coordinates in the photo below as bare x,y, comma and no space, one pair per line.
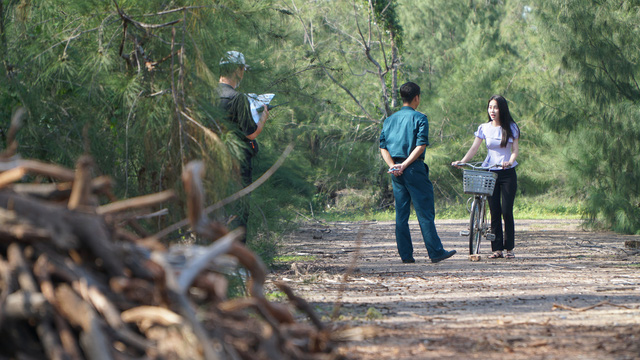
475,166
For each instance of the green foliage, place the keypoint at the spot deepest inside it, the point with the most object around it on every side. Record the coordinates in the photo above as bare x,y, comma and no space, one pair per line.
467,53
342,88
97,78
546,206
295,258
385,13
373,314
276,296
94,80
595,101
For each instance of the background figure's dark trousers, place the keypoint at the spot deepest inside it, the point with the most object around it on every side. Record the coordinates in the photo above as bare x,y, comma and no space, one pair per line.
414,186
501,207
242,206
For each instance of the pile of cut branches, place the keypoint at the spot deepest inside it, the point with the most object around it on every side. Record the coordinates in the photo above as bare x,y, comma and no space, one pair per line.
79,280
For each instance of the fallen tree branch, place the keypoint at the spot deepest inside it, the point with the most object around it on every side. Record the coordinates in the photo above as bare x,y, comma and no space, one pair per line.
602,303
16,123
12,229
62,191
348,273
93,339
137,202
13,171
69,343
301,304
197,265
233,197
74,281
81,190
154,314
211,352
48,335
25,305
162,212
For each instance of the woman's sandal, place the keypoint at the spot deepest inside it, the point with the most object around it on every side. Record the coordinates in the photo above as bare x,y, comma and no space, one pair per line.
495,255
510,254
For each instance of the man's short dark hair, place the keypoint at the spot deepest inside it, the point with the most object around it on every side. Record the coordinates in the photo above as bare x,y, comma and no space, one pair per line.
408,91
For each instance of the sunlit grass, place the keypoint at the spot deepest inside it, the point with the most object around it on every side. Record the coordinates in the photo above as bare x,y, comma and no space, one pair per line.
547,208
276,296
293,258
537,208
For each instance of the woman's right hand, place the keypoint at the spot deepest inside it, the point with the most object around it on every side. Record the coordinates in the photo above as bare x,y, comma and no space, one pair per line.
455,163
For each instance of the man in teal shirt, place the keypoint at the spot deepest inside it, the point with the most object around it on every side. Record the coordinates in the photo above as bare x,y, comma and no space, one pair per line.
403,139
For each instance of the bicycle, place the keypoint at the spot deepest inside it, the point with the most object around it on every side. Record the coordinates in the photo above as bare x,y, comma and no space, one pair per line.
479,182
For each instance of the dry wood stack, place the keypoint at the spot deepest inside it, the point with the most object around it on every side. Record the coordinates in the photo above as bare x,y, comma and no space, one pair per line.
76,284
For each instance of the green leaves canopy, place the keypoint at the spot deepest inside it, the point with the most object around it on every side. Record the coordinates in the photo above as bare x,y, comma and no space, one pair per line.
139,76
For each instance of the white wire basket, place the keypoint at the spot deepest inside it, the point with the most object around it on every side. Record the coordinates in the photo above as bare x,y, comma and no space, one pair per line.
479,182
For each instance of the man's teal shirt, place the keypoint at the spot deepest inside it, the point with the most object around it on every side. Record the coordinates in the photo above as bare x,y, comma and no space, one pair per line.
403,131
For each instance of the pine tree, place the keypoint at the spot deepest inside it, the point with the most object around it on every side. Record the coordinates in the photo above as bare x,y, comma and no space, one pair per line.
130,82
346,56
595,101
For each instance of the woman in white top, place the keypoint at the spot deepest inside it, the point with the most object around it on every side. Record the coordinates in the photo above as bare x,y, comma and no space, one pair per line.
501,136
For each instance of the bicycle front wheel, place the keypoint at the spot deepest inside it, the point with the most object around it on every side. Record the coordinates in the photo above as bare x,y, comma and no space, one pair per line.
475,226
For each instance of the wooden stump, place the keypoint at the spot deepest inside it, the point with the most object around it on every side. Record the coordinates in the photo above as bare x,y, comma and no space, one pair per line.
632,244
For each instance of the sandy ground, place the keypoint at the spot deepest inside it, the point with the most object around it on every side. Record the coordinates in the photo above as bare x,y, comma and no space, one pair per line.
568,294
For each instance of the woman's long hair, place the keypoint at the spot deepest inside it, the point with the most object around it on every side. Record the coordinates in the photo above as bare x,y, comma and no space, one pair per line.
505,119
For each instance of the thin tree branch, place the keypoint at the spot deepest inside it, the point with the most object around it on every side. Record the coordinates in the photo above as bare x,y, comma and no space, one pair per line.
367,51
381,73
233,197
307,33
176,102
348,93
139,24
67,40
126,145
184,8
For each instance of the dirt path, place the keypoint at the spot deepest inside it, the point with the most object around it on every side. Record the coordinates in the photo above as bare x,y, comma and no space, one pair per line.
458,309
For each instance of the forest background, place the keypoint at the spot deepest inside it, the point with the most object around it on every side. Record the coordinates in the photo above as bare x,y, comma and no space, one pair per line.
132,82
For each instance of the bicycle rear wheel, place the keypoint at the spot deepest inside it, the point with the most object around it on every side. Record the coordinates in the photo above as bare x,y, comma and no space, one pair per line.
475,226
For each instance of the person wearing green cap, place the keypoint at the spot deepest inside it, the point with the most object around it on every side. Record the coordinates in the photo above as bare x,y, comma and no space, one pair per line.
238,112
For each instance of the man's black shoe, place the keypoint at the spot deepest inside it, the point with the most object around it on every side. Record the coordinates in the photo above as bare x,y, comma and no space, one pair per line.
446,255
409,261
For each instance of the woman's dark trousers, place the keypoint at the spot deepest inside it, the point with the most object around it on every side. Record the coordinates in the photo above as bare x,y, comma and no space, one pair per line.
501,207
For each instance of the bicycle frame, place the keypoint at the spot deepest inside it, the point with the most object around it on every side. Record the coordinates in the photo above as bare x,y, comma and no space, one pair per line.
479,224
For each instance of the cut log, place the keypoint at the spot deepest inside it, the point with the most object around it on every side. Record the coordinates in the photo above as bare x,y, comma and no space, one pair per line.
93,339
69,343
75,278
632,244
24,305
13,171
475,257
138,202
81,194
16,123
51,192
13,228
59,192
49,217
47,334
